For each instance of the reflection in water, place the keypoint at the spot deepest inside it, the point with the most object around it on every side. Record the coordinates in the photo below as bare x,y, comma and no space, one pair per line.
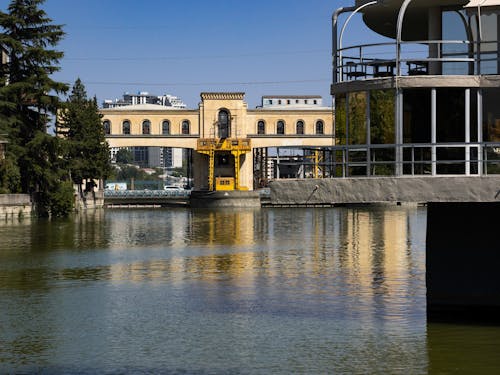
332,290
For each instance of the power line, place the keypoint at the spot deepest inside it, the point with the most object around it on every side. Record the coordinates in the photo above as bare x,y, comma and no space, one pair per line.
260,54
172,84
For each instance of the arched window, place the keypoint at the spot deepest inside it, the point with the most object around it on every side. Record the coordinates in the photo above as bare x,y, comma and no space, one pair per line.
320,127
261,127
185,127
300,127
280,127
224,124
126,127
165,127
107,126
146,127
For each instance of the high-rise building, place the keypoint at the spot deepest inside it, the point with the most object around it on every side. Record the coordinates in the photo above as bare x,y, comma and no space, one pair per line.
143,97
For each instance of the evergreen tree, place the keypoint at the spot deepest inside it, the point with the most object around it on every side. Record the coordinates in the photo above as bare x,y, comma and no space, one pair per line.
29,98
88,152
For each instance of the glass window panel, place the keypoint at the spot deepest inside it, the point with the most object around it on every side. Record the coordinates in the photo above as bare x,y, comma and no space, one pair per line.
382,123
165,127
320,127
300,127
185,127
417,116
357,118
450,115
340,119
491,115
261,127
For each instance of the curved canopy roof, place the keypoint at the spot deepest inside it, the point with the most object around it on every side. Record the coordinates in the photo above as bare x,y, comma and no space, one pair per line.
382,17
483,3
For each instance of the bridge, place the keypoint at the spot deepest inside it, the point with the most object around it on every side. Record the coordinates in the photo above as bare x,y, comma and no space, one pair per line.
227,142
146,197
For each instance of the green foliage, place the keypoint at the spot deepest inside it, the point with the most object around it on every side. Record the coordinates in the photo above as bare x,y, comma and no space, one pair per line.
29,98
62,199
124,156
128,172
87,150
10,177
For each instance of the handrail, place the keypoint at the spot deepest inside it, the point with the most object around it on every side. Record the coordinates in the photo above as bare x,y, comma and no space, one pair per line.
357,57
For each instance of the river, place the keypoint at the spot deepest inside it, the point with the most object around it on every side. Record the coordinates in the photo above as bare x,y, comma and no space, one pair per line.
255,291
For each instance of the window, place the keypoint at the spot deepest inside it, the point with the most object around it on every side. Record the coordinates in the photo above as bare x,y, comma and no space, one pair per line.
300,127
315,101
261,127
280,127
126,127
224,124
270,101
146,127
185,127
288,101
279,102
165,127
305,101
320,127
107,127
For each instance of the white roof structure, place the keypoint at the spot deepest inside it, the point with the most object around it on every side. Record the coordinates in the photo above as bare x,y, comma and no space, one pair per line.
143,107
482,3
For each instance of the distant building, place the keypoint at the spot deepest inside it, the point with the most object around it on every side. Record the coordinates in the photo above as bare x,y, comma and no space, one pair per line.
145,98
4,58
229,145
291,102
153,157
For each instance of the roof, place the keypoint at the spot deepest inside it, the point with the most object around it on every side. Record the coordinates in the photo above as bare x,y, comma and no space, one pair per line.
291,96
483,3
142,107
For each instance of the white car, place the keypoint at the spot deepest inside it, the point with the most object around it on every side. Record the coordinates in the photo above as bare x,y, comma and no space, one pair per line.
172,188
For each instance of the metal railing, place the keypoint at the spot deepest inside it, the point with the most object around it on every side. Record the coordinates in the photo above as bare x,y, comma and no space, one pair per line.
453,57
147,193
480,158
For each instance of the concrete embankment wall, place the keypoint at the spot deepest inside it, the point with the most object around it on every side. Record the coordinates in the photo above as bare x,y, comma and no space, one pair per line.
385,189
15,205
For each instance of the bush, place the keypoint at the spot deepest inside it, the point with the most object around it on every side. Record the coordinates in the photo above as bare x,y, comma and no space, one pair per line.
61,200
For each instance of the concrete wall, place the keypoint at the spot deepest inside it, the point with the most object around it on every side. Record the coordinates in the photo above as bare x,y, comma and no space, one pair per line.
385,189
15,205
463,261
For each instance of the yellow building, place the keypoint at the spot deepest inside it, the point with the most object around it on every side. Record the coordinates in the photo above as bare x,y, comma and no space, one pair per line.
223,133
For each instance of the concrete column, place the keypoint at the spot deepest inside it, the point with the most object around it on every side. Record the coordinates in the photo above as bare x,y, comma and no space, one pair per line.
435,33
463,261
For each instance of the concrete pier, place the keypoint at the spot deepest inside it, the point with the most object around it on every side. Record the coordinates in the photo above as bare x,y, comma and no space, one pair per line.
384,189
463,262
216,199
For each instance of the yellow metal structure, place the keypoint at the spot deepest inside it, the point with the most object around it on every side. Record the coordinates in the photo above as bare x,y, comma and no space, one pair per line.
224,183
237,147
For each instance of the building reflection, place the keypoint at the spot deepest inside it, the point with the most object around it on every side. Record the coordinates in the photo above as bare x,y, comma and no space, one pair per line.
368,252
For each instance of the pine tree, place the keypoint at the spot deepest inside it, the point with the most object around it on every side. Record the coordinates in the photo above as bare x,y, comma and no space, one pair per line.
29,97
88,152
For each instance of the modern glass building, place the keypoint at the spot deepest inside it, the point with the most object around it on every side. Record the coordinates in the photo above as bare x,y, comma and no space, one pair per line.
421,96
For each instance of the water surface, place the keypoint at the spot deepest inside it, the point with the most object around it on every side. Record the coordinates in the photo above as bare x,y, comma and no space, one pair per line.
312,291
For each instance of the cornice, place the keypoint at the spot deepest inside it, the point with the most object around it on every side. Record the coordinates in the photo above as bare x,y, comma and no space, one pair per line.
222,95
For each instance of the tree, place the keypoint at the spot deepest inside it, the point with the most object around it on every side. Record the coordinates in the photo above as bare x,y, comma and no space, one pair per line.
29,98
87,149
124,156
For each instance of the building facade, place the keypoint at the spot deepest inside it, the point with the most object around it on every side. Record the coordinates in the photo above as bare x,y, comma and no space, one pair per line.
423,101
224,136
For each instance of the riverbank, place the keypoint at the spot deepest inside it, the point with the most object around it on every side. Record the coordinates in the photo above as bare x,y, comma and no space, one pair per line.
15,206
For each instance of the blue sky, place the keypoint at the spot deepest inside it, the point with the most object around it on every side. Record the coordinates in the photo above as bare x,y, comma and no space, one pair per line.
190,46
